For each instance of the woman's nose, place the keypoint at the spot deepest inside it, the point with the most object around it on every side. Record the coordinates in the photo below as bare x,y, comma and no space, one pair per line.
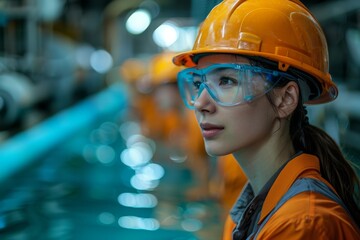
203,100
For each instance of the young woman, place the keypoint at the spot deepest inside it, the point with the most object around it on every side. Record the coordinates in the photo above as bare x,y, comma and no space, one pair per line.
254,65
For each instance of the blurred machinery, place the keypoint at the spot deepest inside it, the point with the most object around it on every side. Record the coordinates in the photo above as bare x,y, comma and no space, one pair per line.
58,168
21,57
41,69
341,23
61,176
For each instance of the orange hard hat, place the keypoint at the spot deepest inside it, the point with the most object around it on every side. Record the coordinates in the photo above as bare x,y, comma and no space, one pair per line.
133,69
162,70
283,31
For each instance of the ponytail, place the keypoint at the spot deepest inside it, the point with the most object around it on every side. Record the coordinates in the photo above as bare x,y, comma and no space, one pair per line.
312,140
334,167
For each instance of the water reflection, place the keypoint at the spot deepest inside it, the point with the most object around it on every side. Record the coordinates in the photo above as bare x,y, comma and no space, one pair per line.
106,218
134,222
138,200
107,181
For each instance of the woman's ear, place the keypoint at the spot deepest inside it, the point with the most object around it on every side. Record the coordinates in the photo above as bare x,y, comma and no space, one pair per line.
286,99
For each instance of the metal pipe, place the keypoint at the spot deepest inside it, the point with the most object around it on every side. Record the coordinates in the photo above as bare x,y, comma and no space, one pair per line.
24,148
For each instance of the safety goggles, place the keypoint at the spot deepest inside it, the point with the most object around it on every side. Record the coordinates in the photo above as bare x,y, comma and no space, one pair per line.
229,84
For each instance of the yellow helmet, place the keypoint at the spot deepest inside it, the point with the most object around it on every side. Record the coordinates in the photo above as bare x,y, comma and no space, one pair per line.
162,70
283,31
132,70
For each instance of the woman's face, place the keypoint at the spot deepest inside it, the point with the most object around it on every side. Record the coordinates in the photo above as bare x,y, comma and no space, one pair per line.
230,129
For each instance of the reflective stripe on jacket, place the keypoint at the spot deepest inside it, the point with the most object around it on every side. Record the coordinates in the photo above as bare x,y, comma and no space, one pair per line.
307,213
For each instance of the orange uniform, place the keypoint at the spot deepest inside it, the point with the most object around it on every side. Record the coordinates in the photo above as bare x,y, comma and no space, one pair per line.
232,180
307,215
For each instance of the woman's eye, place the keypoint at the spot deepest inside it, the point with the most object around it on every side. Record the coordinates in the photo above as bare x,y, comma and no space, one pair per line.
227,81
197,84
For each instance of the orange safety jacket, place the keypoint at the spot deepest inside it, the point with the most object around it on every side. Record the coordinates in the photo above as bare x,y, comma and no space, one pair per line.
306,215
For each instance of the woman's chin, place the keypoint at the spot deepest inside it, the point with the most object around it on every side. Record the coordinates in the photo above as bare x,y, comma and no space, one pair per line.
215,151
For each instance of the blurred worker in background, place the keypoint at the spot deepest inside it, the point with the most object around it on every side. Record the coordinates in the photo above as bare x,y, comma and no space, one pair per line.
254,65
231,181
171,124
157,105
134,71
177,127
169,117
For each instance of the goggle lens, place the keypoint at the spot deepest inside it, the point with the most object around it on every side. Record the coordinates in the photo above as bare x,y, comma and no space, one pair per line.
228,84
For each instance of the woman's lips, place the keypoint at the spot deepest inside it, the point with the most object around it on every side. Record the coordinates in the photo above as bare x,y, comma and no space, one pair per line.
210,130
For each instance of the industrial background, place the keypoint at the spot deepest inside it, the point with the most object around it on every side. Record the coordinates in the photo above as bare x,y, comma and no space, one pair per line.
78,159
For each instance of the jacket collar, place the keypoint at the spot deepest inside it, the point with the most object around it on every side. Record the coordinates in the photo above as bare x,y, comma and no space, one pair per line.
292,171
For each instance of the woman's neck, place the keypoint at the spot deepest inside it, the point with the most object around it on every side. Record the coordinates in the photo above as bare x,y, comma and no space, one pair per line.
261,162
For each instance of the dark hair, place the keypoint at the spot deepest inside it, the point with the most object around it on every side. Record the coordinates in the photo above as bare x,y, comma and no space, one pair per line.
338,171
334,167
